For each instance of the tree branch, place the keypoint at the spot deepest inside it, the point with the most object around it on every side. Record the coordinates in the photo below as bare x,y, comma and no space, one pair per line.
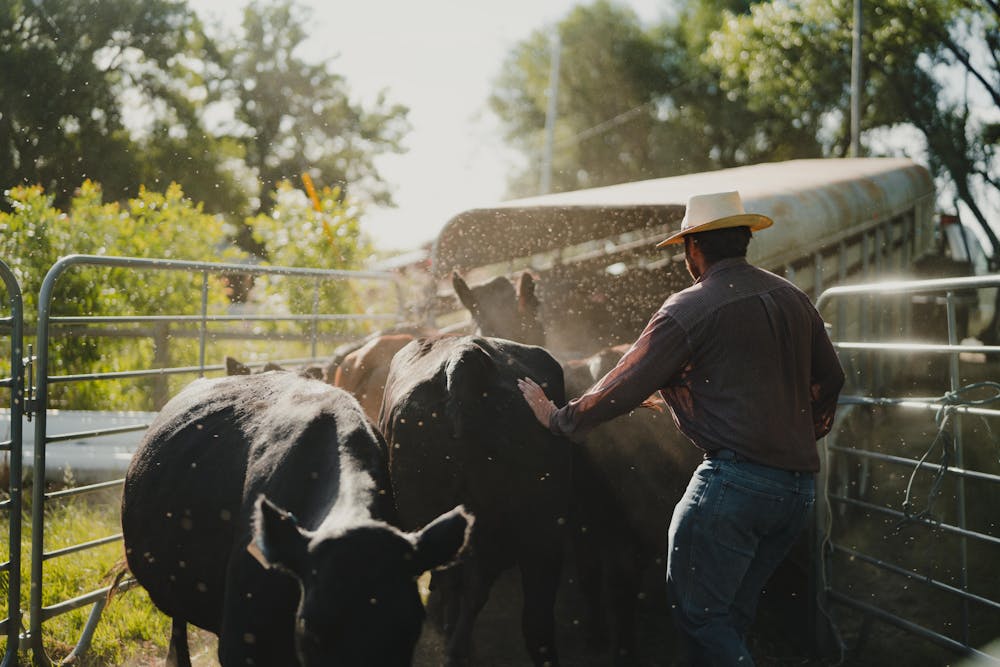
963,56
988,178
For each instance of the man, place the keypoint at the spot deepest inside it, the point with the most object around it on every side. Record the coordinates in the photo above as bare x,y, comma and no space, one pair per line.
744,362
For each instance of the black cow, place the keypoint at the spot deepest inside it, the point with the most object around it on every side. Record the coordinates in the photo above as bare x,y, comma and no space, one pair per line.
500,311
243,480
237,367
627,476
459,432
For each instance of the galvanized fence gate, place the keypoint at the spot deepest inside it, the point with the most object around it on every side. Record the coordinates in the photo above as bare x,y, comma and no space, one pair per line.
199,328
14,384
907,532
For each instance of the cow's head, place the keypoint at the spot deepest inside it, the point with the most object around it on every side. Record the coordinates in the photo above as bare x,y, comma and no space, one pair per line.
360,604
501,311
237,367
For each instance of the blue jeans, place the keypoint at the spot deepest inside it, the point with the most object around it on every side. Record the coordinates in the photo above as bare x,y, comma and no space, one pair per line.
735,524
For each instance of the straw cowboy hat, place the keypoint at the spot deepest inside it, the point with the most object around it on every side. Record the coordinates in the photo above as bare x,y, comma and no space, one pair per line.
715,211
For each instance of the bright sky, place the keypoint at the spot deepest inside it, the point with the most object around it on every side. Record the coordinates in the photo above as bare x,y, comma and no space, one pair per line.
438,57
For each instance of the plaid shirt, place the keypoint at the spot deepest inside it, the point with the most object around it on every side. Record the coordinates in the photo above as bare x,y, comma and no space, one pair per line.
744,362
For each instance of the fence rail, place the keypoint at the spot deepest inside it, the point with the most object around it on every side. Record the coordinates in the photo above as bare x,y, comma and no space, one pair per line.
954,403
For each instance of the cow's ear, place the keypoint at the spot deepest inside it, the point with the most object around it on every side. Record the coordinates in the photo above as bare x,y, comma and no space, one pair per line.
441,542
465,294
526,298
277,540
234,367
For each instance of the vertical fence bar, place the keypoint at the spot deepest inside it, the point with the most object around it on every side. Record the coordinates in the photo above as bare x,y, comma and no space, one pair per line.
161,359
203,330
38,472
314,329
818,274
959,462
16,304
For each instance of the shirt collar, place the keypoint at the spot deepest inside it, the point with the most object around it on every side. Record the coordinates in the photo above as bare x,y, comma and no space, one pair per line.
721,266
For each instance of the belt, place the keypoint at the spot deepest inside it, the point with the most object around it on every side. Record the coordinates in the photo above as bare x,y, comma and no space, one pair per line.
730,455
725,455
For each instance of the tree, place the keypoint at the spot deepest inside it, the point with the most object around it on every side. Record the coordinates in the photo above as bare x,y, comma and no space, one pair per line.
609,79
325,234
130,92
635,103
294,117
705,126
795,57
78,76
35,233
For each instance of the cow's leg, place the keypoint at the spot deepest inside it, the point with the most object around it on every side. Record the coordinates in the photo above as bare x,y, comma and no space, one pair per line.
540,581
258,622
445,598
472,594
624,582
589,557
177,653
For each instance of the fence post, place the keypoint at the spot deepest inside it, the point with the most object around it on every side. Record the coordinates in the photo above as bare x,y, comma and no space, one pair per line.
15,477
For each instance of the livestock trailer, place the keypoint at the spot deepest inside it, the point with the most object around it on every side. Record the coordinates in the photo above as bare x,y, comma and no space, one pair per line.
855,234
601,277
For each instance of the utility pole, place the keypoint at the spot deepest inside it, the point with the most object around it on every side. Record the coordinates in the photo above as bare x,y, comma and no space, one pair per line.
856,82
550,116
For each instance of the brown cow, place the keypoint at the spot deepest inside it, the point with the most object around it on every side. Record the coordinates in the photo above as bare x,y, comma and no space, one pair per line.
343,350
363,371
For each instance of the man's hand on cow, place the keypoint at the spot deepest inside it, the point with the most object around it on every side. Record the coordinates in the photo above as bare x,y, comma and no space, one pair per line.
537,400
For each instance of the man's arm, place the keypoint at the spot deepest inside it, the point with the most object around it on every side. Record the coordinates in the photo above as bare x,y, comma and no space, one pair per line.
660,350
827,380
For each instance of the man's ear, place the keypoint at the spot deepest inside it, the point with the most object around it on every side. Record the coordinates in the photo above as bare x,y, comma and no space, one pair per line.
277,540
465,294
443,541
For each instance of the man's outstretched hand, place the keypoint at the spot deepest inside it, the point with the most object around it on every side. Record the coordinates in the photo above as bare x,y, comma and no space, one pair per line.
537,400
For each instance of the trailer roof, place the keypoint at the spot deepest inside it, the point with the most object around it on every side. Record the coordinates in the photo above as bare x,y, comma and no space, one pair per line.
830,193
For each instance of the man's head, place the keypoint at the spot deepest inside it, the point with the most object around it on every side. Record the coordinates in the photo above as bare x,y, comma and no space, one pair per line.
715,211
703,249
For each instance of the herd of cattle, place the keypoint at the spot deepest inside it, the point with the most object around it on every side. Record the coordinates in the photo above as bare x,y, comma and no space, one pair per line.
291,513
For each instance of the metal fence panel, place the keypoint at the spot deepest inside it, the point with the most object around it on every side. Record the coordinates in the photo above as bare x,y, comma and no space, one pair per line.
900,539
154,326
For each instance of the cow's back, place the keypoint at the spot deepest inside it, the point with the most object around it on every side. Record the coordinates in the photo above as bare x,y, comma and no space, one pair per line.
212,449
638,464
459,431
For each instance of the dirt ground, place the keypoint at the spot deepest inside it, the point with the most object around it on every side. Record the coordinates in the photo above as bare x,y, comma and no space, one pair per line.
498,641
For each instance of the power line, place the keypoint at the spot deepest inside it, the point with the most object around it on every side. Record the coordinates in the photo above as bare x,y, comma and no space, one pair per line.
604,126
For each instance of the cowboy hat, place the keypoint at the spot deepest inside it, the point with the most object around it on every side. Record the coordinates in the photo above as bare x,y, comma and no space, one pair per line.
717,210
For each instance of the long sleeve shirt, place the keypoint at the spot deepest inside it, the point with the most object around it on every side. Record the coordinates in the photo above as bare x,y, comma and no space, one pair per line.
743,361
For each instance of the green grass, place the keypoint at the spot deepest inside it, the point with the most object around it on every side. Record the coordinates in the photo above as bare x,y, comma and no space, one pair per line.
130,623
